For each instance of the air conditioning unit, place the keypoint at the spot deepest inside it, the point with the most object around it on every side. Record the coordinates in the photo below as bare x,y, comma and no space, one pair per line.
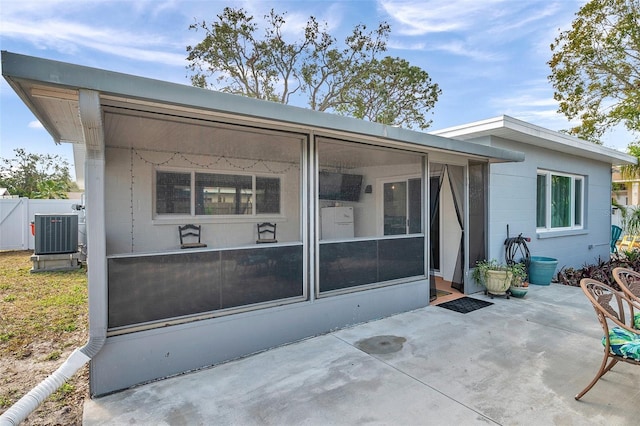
56,233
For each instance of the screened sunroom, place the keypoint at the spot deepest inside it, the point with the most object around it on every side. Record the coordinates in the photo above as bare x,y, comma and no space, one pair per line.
358,206
353,205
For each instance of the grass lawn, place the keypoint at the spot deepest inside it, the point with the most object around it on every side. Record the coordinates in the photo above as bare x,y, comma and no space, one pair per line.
43,318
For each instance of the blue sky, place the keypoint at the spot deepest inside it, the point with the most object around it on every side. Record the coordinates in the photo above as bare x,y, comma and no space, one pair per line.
489,57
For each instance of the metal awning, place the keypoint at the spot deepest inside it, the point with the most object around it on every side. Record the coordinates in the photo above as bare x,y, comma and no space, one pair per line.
51,91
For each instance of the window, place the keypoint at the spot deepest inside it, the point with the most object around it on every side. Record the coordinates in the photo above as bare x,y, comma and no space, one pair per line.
560,201
216,194
267,195
219,194
173,193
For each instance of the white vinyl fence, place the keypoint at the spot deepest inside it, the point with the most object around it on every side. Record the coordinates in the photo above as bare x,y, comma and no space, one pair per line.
16,215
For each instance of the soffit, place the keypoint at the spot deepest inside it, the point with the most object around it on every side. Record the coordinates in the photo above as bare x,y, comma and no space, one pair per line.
161,132
57,110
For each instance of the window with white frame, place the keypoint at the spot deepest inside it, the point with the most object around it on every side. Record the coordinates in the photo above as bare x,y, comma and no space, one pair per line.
559,201
216,194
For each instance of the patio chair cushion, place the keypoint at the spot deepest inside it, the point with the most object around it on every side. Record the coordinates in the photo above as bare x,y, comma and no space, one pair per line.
624,343
636,320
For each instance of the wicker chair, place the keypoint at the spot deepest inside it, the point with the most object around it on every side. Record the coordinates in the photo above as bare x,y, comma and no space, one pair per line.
629,282
615,312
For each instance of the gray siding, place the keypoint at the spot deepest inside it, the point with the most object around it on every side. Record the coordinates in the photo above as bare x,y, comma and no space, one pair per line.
512,201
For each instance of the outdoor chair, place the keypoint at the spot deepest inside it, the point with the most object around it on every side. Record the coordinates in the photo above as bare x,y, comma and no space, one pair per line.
266,233
616,231
616,313
628,242
629,282
190,236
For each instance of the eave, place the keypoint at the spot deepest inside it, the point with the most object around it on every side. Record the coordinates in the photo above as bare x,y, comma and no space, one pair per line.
510,128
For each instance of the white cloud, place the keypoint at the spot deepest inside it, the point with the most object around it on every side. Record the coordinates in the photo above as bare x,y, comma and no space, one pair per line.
483,31
70,27
461,48
532,102
69,37
419,18
35,124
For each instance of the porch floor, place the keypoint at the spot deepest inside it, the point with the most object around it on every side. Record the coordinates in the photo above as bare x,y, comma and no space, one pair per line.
443,285
509,363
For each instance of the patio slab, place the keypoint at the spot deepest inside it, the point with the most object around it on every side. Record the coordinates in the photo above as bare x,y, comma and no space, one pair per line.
518,361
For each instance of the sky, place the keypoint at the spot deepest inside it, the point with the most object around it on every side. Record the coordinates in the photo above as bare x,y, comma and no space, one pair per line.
489,57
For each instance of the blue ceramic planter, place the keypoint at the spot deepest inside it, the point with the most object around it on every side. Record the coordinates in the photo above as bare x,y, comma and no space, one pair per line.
541,270
518,291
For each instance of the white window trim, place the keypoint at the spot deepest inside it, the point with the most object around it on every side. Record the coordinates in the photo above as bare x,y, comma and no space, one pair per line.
547,228
380,182
253,217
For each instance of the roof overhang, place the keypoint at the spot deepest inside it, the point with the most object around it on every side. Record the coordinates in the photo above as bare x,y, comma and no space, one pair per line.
510,128
51,90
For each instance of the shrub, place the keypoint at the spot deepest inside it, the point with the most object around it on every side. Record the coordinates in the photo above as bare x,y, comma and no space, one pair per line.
601,271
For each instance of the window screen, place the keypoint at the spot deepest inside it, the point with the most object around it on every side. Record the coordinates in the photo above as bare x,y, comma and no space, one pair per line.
173,193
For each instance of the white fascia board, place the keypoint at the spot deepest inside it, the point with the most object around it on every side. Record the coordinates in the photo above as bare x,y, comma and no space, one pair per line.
511,128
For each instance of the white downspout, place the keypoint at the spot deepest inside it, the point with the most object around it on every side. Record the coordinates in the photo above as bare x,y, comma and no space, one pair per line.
91,118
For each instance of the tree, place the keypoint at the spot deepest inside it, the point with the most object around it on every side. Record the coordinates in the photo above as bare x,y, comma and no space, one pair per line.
51,189
595,68
393,92
353,79
631,171
35,175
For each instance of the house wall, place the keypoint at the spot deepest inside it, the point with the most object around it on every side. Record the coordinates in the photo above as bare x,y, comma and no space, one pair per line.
137,358
131,226
130,223
512,201
366,223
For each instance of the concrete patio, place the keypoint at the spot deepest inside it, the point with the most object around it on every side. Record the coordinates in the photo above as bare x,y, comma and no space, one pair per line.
519,361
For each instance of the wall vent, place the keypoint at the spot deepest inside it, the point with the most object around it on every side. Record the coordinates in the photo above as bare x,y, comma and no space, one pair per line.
56,233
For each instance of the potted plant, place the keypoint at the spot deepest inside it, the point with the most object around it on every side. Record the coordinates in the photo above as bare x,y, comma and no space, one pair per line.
496,277
519,285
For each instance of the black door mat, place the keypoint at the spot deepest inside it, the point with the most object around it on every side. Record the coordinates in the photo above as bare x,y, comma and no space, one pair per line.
465,304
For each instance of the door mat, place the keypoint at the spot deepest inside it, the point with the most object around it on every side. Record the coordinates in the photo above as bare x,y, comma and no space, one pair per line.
465,304
441,293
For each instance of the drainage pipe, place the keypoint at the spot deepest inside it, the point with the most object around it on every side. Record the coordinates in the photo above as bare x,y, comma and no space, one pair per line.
28,403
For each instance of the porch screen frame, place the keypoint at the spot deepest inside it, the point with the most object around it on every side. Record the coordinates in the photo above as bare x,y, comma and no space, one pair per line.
372,244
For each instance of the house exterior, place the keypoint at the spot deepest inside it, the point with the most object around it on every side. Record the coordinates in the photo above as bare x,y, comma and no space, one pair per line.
366,214
625,190
560,196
